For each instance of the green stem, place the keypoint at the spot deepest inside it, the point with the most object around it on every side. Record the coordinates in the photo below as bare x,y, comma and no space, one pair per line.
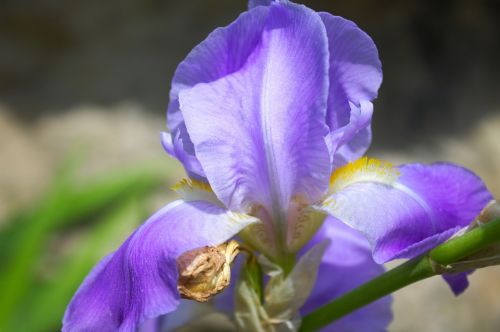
286,262
399,277
467,244
407,273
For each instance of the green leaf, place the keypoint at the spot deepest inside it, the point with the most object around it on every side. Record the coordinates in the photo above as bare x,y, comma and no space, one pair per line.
252,273
65,204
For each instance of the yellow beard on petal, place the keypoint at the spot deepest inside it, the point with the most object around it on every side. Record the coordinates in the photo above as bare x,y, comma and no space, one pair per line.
193,190
363,170
191,184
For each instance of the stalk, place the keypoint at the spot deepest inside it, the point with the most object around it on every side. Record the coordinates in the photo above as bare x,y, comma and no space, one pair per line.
412,271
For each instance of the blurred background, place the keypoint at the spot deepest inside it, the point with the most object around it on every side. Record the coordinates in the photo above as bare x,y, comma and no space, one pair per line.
83,89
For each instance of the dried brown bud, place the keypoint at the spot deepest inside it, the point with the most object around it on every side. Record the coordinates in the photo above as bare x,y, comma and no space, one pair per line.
486,256
490,212
206,271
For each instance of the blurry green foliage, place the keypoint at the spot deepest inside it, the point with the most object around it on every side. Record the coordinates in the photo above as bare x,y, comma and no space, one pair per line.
47,249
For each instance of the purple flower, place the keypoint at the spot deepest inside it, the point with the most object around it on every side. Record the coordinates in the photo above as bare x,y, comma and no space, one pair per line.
269,116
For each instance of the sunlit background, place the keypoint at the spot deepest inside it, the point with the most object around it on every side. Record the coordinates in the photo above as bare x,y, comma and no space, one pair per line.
83,91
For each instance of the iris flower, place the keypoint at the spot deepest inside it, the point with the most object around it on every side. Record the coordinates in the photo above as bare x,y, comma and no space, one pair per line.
270,117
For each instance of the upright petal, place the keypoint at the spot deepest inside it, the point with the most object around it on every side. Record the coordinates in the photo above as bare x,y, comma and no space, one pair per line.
223,52
259,132
179,146
405,211
255,3
352,140
139,280
346,264
355,76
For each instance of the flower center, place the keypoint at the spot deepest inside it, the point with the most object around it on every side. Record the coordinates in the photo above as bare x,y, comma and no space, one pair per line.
299,225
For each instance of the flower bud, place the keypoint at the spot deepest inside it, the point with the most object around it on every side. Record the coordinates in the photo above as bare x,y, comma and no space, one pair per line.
487,256
489,213
206,271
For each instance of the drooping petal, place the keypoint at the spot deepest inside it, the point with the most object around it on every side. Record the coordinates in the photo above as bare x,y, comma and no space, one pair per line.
405,211
259,132
355,76
347,263
458,282
139,280
151,325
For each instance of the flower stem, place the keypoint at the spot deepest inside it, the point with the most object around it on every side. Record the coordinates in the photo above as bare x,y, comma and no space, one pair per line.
467,244
407,273
399,277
